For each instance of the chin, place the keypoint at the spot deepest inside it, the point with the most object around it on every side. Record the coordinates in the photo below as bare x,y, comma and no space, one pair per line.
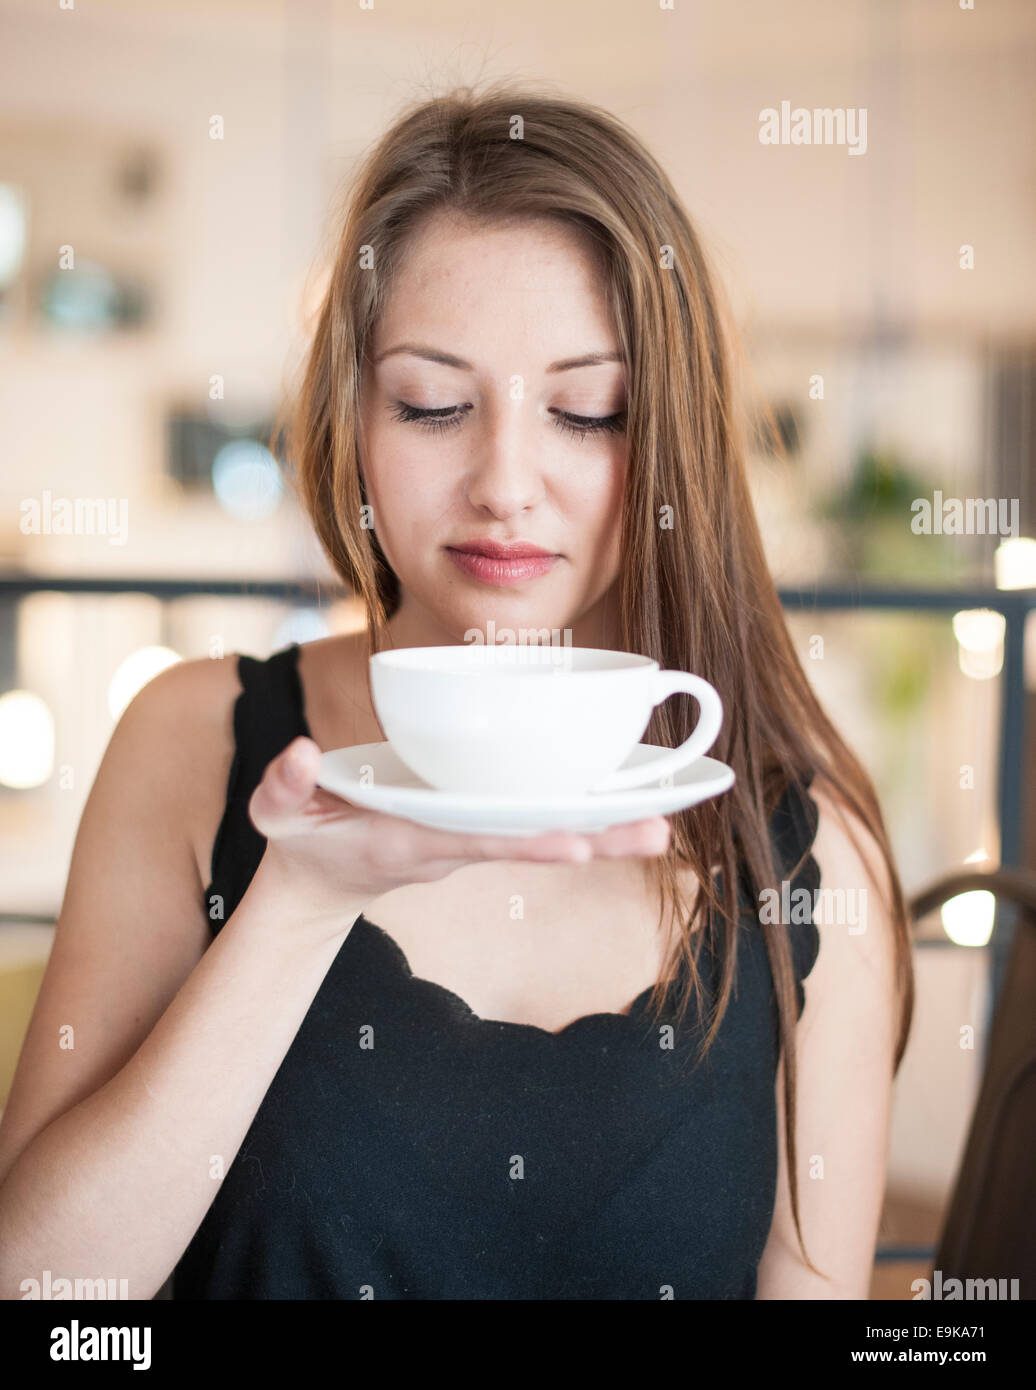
499,629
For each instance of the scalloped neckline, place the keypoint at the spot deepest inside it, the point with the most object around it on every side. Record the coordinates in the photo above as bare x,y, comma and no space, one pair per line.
470,1016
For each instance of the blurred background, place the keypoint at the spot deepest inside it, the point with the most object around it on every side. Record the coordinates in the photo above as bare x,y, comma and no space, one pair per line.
169,175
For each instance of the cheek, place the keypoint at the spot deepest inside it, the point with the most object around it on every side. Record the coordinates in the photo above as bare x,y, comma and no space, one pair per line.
405,492
611,503
597,502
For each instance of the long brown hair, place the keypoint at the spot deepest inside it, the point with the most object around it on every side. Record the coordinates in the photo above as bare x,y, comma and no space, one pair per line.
695,594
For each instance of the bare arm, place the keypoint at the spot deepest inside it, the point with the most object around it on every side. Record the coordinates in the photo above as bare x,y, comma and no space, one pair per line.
844,1050
117,1186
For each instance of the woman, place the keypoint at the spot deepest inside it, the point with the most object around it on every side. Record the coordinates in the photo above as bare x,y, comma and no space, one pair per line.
520,343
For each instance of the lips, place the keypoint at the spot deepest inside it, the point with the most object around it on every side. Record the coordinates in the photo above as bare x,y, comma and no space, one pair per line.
500,565
504,550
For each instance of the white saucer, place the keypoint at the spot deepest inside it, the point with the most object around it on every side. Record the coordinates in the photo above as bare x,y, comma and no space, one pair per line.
373,775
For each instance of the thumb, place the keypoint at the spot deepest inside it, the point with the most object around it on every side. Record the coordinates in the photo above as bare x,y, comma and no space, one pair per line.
286,786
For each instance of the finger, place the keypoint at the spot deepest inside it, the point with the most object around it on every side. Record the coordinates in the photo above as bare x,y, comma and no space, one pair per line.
392,837
641,837
395,837
286,786
556,845
647,837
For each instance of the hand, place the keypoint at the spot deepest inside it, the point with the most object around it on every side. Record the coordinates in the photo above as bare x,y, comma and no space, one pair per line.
331,855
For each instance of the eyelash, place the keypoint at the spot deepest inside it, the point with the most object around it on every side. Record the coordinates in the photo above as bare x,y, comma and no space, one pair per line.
439,421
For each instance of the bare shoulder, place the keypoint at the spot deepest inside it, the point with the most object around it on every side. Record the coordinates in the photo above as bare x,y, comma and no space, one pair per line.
192,703
845,844
203,681
854,916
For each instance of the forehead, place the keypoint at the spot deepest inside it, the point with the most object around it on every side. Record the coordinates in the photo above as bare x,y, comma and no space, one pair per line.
498,281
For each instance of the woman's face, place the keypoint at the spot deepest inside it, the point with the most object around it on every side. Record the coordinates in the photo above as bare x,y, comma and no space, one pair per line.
490,327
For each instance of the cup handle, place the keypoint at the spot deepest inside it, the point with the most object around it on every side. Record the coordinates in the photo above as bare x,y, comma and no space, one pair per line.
706,731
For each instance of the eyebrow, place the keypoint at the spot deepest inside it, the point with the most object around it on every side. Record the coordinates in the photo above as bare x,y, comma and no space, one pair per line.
447,359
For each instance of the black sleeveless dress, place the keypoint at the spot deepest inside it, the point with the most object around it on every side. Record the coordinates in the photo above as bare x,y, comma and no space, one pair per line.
408,1149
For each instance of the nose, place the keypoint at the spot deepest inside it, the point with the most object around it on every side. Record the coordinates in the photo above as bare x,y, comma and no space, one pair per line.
506,476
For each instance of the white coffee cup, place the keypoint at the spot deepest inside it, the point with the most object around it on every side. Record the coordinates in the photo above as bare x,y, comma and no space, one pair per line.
531,721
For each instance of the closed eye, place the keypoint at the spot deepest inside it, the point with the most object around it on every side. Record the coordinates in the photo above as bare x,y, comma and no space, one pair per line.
449,417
